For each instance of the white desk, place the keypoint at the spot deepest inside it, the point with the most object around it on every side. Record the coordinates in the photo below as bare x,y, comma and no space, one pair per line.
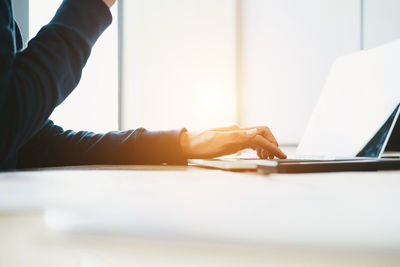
187,216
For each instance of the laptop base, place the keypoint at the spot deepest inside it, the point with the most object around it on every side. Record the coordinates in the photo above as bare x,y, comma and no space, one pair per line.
330,166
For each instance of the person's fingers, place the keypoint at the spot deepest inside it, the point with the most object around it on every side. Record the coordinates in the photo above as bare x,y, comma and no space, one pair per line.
241,138
250,132
271,156
259,152
253,137
252,146
245,137
266,145
266,132
264,154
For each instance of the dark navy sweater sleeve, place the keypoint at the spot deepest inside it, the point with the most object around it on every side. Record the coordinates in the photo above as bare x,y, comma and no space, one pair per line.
53,146
35,80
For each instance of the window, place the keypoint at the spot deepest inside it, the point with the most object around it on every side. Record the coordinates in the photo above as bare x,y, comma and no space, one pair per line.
179,64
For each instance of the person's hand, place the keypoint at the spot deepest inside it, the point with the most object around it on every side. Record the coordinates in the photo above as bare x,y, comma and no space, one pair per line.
109,3
225,141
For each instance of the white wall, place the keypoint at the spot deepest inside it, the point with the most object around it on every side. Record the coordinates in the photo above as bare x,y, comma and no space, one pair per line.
179,64
93,105
381,22
288,48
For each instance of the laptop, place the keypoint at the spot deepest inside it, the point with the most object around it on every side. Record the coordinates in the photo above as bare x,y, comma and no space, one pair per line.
351,124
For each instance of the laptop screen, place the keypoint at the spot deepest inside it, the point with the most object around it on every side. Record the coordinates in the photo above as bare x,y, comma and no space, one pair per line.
358,100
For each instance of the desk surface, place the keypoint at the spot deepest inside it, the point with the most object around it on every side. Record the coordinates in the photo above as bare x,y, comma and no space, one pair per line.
169,216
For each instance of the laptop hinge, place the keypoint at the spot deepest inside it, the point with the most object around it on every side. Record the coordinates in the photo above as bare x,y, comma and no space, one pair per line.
375,146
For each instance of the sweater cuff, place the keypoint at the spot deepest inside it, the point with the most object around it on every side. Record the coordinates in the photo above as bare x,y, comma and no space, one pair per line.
162,146
89,18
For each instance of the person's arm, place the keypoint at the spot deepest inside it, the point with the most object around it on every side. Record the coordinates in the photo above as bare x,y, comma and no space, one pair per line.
52,146
34,81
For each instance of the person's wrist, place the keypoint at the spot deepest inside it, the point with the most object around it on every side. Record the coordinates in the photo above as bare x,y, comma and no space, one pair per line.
185,143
